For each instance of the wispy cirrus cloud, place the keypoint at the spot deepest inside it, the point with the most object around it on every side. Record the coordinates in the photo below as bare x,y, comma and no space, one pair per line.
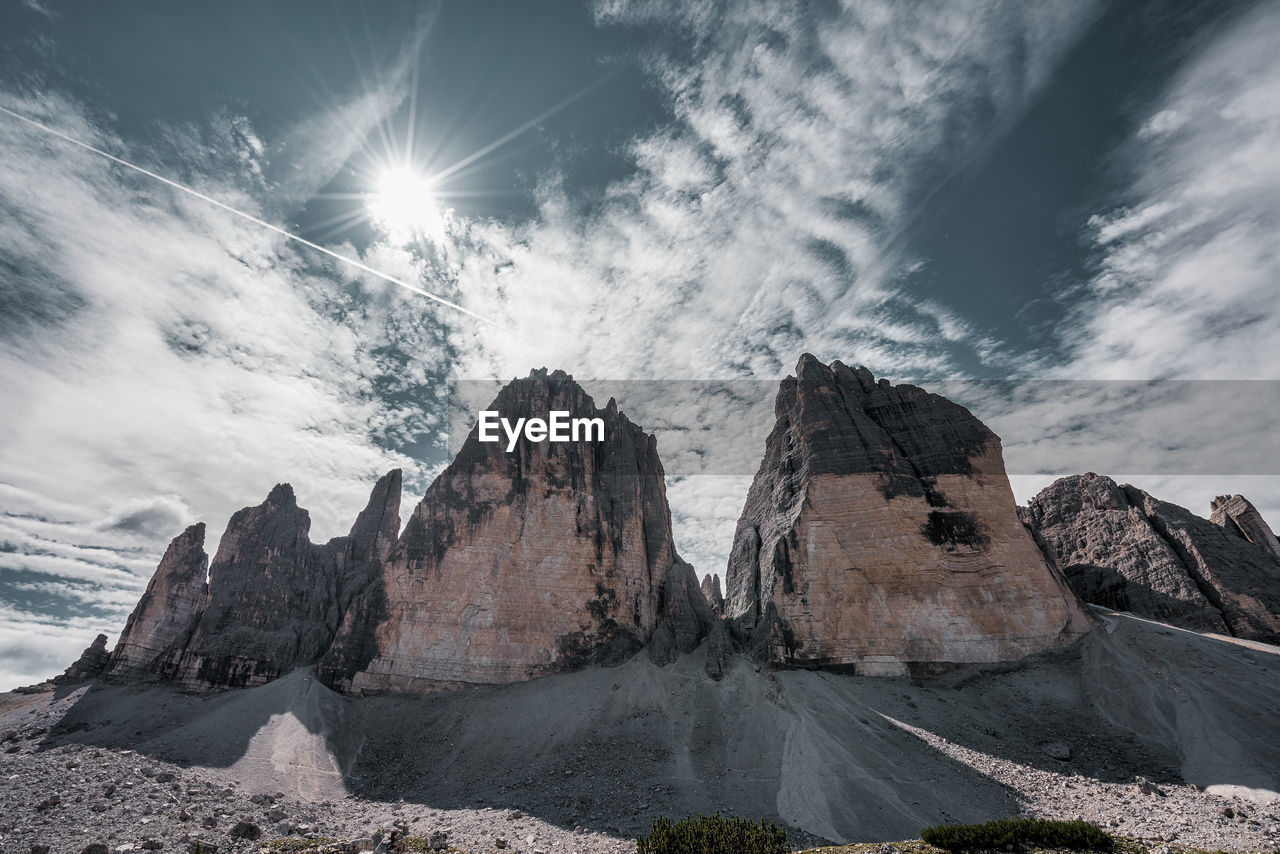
1188,260
1185,283
162,362
765,219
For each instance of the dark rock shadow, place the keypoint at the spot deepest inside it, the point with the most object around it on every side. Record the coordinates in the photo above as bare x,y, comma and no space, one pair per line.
1133,700
610,749
211,730
607,749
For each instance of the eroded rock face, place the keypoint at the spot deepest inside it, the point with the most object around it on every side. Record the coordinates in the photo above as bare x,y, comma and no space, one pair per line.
165,615
711,590
91,663
271,605
361,601
880,534
1235,513
514,565
520,564
1121,548
274,601
685,618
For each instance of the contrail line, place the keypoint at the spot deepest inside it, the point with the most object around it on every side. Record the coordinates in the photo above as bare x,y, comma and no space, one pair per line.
253,219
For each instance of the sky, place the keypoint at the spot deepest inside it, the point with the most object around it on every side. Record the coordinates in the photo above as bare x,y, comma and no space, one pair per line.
1061,214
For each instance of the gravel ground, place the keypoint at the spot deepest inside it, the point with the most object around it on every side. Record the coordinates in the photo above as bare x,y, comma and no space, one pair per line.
1150,733
73,796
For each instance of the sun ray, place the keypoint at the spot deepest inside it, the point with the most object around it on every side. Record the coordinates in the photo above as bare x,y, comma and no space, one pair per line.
359,265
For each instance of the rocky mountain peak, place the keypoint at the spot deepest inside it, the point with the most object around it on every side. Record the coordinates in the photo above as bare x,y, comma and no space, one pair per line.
712,591
523,562
163,618
272,600
1235,513
281,496
1122,548
91,663
880,532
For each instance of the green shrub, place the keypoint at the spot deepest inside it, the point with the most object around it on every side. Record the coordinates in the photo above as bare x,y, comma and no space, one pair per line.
714,835
1076,835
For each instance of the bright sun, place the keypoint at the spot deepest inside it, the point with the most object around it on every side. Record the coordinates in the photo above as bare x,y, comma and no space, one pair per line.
404,206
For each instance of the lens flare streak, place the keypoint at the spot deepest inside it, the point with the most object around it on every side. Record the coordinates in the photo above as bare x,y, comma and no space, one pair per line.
253,219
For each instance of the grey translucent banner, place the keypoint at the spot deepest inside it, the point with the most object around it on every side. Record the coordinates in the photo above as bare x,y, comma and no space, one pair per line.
1049,427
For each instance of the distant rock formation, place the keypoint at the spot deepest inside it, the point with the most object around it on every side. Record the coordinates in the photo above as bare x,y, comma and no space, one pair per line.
711,590
1122,548
89,665
880,534
273,601
519,564
685,618
1236,514
514,565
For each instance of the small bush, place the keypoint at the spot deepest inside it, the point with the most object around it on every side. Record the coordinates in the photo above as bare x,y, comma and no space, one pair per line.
714,835
1076,835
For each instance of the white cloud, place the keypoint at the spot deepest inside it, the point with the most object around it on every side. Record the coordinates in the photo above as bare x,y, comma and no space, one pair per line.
36,647
40,9
1188,264
195,352
162,362
762,222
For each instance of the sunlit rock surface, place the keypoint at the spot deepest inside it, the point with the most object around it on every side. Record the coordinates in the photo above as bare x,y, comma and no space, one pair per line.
880,534
518,564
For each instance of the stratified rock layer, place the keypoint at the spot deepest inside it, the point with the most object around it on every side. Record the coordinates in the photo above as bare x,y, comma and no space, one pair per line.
163,619
274,601
1122,548
518,564
89,665
880,533
1235,513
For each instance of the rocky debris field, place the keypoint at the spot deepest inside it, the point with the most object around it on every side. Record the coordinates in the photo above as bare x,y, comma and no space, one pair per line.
73,798
1143,810
70,798
1153,733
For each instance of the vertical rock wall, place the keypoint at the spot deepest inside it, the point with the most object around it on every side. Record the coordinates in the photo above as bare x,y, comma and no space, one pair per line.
880,534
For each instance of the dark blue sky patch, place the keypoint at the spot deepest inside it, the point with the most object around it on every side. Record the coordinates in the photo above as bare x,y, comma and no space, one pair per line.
999,234
55,596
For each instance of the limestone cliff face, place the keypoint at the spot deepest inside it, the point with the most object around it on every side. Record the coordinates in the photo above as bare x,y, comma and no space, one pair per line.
165,615
880,533
360,560
520,564
271,603
1124,549
274,600
514,564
